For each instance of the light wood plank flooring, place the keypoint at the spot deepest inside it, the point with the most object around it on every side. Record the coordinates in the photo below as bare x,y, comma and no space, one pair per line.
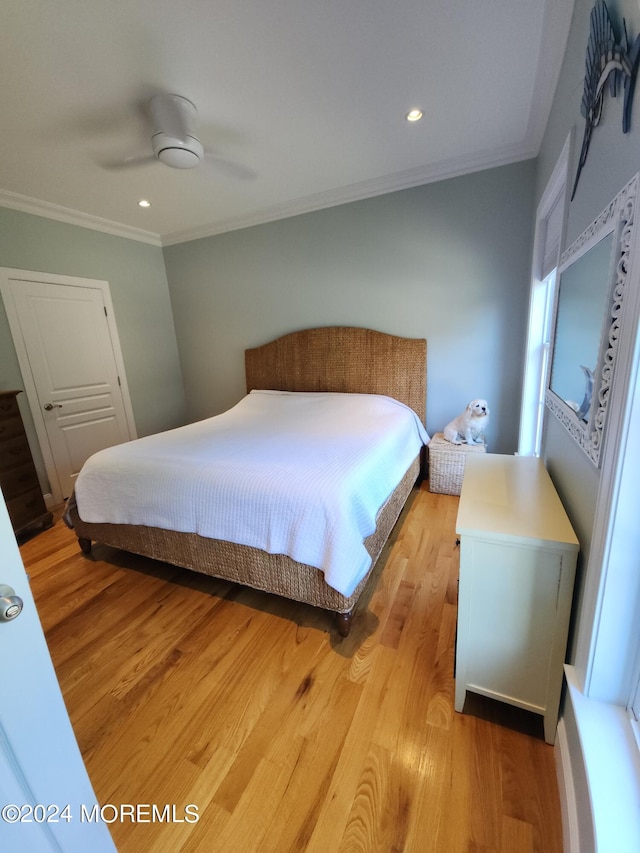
186,690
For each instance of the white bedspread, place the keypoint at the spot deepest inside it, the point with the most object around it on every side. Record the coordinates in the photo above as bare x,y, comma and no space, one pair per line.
301,474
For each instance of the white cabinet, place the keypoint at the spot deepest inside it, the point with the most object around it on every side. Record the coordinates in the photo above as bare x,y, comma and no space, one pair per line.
517,568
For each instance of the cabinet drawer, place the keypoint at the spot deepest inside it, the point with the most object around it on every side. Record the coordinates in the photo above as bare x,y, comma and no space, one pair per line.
16,481
14,452
11,427
9,407
26,508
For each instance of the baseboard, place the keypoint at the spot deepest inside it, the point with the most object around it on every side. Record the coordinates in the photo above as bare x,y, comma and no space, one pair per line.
566,789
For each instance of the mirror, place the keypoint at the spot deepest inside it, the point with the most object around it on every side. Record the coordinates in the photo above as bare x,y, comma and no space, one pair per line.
583,298
590,300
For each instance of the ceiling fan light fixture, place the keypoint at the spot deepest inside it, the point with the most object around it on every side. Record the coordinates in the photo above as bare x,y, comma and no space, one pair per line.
177,153
178,158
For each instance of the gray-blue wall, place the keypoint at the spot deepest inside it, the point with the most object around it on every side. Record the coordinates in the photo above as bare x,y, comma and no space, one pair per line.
448,261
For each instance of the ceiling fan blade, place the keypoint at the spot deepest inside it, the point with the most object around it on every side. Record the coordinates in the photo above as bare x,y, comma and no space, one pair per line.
130,162
230,168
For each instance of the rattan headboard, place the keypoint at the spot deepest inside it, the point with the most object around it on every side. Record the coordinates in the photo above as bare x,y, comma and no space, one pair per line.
342,359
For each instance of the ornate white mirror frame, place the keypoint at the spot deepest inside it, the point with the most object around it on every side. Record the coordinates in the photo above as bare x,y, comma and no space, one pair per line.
586,422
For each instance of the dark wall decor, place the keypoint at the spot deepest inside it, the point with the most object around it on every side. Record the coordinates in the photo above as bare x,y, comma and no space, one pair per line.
607,60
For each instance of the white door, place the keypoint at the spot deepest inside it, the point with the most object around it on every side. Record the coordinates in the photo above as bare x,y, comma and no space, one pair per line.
46,799
65,344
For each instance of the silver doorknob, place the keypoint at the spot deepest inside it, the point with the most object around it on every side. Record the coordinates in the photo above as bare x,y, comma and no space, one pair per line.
10,604
49,406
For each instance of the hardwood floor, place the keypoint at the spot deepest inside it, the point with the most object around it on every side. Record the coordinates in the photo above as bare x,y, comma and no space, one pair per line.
185,690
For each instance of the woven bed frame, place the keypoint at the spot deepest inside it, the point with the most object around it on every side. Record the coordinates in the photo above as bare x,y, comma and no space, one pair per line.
339,359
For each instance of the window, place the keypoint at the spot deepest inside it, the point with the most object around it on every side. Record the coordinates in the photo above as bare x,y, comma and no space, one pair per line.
546,250
538,346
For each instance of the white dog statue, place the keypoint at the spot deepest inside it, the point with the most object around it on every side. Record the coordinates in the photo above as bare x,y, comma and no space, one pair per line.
469,426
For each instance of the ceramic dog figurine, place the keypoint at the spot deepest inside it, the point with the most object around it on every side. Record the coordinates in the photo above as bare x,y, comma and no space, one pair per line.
469,427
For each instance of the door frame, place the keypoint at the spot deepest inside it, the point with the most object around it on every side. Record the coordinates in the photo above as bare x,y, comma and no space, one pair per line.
8,277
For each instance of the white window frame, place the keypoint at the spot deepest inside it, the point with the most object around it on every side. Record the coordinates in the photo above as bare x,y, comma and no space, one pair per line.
634,704
541,301
604,683
634,709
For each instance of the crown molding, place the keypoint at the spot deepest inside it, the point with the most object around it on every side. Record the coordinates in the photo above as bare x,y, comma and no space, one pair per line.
25,204
443,170
453,168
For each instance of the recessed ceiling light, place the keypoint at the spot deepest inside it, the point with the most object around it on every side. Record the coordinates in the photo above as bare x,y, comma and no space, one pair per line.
414,115
144,203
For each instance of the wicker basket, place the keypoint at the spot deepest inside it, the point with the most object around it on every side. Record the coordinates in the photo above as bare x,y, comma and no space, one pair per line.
446,464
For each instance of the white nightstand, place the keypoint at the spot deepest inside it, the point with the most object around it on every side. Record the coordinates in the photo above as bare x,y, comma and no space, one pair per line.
518,556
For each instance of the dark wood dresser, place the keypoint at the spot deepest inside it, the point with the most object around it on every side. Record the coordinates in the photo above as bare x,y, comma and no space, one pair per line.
18,477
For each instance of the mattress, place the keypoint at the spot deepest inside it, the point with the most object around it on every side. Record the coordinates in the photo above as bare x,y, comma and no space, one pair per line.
299,474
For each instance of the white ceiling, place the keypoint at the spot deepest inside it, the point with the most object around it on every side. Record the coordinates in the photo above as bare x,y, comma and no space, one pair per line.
308,96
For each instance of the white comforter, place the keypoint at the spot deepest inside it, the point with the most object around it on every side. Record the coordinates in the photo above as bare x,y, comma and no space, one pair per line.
301,474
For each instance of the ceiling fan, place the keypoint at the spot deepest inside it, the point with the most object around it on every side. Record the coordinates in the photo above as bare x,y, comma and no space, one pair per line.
173,138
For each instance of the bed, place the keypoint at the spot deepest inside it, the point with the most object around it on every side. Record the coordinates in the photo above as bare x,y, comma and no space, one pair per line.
324,366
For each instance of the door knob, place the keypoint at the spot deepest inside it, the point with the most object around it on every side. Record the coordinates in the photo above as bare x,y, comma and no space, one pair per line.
10,603
49,406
